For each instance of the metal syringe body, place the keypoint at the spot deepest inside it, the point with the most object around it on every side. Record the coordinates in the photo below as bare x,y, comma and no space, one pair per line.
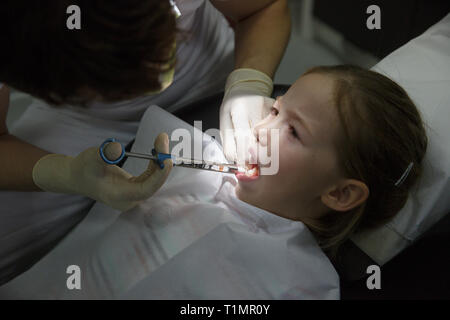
186,162
159,158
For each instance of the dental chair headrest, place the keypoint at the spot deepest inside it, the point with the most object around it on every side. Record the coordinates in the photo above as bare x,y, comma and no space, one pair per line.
422,68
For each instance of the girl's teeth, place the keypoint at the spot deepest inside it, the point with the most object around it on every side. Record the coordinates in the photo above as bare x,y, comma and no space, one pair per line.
251,172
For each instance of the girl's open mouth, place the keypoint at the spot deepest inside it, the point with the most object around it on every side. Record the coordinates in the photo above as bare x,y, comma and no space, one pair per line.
251,173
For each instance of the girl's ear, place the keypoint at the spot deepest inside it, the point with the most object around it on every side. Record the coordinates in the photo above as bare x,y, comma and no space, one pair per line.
348,194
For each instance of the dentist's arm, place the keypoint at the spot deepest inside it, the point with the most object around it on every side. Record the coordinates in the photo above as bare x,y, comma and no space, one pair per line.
24,167
262,29
17,158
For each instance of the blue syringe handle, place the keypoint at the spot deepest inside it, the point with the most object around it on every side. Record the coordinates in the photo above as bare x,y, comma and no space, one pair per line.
104,158
160,157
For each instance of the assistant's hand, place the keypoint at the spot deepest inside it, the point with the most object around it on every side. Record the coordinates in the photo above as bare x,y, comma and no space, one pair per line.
87,174
245,103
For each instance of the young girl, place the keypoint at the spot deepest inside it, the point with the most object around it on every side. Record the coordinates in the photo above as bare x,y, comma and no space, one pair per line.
351,145
347,135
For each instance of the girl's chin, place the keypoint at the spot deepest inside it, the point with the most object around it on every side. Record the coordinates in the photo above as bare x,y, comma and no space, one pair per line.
248,188
244,193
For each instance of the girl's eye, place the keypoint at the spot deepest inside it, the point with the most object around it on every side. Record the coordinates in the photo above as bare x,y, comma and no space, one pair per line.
293,132
273,111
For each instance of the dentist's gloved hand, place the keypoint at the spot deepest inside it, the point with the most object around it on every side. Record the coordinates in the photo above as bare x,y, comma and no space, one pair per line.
246,102
87,174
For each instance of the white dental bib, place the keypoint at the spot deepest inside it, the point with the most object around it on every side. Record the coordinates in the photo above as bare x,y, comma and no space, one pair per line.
248,254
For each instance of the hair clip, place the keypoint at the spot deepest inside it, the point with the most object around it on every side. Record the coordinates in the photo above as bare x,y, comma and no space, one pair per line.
404,175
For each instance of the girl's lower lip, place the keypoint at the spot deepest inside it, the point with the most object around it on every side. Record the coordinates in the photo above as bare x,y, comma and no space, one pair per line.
242,176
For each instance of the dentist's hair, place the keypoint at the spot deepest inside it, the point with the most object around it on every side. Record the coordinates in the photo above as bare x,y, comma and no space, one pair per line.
383,133
119,52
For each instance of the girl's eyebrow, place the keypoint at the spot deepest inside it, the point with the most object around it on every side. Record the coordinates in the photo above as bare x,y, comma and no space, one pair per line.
296,117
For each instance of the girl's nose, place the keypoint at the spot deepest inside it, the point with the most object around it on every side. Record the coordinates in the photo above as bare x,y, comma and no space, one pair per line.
255,133
261,135
263,130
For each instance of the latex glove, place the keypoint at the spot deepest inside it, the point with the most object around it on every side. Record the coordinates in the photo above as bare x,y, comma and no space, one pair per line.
246,102
87,174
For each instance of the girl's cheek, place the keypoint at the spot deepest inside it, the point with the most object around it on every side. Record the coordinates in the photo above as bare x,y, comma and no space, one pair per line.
285,143
290,156
287,165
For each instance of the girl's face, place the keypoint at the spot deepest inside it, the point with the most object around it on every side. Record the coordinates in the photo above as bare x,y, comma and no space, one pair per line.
308,167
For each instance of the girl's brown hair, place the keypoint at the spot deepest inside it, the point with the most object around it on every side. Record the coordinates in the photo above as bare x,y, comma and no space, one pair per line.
119,52
383,133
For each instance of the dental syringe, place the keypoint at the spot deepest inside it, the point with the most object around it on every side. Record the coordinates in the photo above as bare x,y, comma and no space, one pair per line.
159,158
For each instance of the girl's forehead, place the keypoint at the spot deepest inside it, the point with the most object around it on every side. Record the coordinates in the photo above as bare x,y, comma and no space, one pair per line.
317,89
311,96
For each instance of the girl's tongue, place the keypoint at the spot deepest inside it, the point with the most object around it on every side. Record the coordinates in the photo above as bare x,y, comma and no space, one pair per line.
251,173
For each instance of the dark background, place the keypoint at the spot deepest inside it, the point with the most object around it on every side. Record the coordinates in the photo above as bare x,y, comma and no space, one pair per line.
401,20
